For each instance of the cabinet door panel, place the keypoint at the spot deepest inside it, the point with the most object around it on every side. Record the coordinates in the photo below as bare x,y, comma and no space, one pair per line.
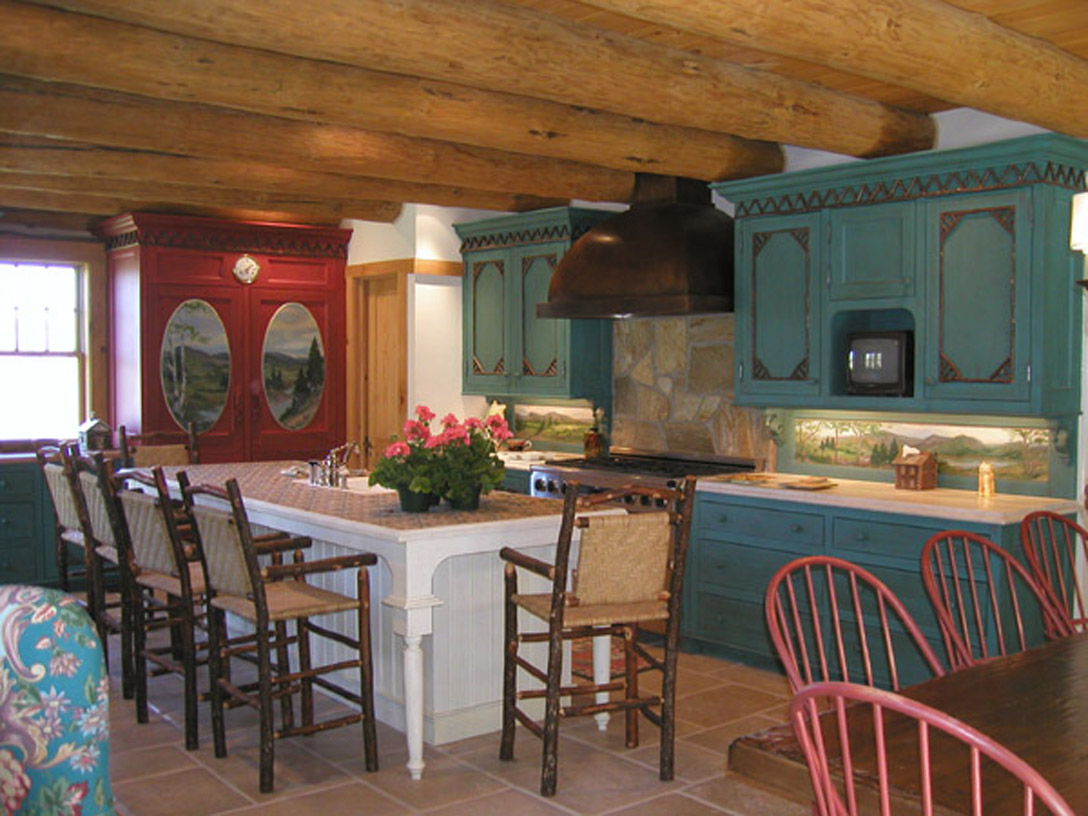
289,272
979,335
780,272
293,405
872,251
485,322
189,266
542,343
177,365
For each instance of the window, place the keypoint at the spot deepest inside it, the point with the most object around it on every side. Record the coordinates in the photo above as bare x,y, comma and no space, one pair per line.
42,359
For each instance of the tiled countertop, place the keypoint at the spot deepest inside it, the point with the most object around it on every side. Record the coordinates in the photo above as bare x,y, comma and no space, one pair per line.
962,505
263,481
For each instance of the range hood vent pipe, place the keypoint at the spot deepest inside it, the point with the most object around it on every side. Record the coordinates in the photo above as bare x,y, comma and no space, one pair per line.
670,254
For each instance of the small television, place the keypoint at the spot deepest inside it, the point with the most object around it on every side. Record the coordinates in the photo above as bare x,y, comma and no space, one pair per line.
880,363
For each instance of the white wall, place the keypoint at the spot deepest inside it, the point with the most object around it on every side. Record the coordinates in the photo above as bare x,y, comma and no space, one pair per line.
434,347
421,231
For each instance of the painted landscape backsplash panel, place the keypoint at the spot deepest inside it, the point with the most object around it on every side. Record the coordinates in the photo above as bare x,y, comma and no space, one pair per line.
553,424
1017,454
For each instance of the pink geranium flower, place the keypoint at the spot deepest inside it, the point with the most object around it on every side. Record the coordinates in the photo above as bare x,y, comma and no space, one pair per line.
397,449
424,413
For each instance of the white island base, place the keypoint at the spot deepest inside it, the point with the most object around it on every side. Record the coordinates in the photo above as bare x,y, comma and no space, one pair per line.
437,592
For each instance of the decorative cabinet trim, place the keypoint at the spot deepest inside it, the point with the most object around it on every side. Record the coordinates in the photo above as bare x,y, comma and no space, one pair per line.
210,235
502,239
916,187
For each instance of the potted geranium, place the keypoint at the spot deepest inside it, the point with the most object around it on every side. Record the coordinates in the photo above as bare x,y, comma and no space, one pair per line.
469,463
410,466
458,463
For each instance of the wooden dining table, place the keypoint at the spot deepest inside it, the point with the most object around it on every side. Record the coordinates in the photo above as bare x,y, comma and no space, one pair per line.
1035,703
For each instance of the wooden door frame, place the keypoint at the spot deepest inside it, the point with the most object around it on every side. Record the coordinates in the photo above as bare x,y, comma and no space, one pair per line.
358,277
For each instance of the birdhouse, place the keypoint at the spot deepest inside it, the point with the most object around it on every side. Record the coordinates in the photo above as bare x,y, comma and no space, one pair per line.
915,471
94,435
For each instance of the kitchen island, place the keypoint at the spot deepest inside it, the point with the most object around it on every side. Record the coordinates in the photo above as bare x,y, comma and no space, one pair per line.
438,574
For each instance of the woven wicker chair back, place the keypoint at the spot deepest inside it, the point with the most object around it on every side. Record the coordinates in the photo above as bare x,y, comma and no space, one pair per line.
623,559
146,456
151,547
223,553
61,491
96,509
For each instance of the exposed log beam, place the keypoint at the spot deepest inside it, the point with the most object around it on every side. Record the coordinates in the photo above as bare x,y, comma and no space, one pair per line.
515,50
927,45
142,194
39,223
89,115
98,206
35,154
44,43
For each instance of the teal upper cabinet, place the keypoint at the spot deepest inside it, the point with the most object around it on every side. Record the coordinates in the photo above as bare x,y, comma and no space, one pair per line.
872,252
978,336
777,302
966,250
508,350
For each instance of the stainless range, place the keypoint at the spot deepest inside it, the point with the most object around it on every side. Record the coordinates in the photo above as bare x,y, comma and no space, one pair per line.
628,466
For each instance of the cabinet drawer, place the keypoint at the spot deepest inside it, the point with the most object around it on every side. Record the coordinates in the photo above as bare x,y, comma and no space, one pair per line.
19,565
738,570
17,483
902,542
783,528
17,520
735,623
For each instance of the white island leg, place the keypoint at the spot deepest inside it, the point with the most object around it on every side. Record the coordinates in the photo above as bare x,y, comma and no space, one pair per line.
602,673
413,703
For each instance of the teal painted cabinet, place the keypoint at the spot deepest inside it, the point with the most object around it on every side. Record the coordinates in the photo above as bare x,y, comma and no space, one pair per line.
516,481
777,305
978,336
968,250
738,543
508,350
27,553
872,252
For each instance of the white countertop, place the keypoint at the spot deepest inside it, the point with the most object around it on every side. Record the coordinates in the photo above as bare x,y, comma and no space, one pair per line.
523,460
960,505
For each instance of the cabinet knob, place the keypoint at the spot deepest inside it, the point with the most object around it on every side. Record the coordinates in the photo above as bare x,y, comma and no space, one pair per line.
3,483
796,528
723,518
930,381
3,521
861,537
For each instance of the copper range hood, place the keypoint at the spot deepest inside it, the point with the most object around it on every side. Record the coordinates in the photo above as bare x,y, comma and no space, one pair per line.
670,254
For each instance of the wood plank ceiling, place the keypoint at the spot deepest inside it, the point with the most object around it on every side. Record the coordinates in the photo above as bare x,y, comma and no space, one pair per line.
312,112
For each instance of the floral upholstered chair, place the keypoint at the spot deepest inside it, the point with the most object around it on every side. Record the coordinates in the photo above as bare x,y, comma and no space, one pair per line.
54,707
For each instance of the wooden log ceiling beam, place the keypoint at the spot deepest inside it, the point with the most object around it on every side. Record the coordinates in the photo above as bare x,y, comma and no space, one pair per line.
101,117
926,45
47,44
488,45
142,194
33,154
96,207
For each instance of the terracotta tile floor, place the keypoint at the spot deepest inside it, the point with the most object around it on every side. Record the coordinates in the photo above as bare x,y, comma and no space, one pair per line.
153,774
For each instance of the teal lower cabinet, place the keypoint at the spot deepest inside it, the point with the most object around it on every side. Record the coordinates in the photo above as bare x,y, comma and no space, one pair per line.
27,551
516,481
739,542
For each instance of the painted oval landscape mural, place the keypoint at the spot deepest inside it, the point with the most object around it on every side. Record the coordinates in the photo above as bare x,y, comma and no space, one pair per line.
293,366
194,365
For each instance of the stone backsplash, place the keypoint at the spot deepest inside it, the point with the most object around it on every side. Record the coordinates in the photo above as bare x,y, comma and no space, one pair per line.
673,389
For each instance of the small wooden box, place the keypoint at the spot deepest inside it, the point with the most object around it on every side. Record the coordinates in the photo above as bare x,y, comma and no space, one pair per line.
917,471
94,435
